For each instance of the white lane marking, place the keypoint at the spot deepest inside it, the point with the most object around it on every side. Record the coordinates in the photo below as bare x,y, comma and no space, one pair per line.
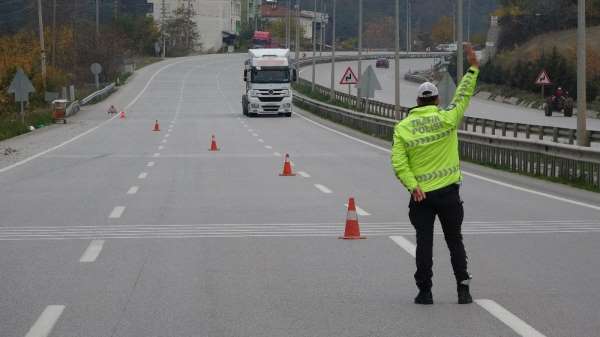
323,189
45,323
133,190
506,317
156,155
167,135
255,135
268,147
250,130
359,211
260,140
143,175
493,181
303,174
117,212
164,141
150,164
92,251
277,154
408,246
161,147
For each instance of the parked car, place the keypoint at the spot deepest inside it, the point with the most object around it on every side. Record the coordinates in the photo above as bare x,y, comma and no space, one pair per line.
382,63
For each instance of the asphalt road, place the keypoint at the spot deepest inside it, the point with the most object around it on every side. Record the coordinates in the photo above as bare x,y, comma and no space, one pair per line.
128,232
481,108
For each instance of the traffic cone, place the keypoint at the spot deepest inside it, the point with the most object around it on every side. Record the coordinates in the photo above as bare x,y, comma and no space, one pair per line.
213,144
156,126
287,167
122,115
352,231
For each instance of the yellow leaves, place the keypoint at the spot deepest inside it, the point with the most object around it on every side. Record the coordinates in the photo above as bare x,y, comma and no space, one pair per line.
443,30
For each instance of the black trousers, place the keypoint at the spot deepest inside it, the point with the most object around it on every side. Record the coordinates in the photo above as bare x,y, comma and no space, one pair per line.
446,204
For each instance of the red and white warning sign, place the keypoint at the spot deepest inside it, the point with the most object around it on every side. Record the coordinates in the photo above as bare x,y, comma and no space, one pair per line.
349,77
543,78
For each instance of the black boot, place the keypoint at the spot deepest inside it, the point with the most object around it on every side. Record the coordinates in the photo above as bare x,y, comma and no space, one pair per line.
464,296
424,297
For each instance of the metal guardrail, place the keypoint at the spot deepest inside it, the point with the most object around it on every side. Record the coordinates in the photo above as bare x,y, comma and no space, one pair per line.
556,161
99,95
507,129
72,109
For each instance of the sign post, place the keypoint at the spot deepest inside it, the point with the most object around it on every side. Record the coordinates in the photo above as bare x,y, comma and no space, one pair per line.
96,69
21,87
349,78
368,85
543,80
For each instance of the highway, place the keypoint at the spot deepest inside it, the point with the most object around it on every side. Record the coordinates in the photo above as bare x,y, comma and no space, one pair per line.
123,231
481,108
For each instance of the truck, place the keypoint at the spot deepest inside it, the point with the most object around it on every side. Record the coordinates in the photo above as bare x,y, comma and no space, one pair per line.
262,40
268,74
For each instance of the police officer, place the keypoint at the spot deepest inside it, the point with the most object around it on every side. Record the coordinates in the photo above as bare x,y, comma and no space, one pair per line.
425,159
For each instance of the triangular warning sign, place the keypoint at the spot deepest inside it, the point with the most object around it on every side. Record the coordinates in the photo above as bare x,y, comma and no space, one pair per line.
543,78
349,77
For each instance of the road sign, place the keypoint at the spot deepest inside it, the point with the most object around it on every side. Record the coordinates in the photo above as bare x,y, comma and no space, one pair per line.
369,83
96,69
446,89
21,86
349,77
543,79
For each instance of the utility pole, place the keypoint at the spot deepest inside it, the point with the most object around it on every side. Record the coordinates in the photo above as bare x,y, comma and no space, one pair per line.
97,21
115,9
53,33
332,89
360,44
297,40
581,76
459,42
408,27
469,2
42,47
397,63
314,41
288,25
163,14
322,28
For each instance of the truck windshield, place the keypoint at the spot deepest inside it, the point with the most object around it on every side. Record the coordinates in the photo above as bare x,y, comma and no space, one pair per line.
271,75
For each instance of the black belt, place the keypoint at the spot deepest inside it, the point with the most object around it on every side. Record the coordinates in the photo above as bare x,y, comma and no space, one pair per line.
444,190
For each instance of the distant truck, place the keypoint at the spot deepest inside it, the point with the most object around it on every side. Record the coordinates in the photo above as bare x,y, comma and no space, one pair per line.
262,40
268,75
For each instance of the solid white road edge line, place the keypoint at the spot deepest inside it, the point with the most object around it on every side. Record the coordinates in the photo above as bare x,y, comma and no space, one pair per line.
408,246
26,160
360,211
92,251
493,181
45,323
506,317
323,189
133,190
117,212
303,174
143,175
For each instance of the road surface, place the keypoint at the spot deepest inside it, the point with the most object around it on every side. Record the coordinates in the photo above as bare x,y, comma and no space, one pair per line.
127,232
481,108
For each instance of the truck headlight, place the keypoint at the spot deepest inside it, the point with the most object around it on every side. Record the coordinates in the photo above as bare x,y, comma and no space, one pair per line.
287,105
254,106
286,93
253,93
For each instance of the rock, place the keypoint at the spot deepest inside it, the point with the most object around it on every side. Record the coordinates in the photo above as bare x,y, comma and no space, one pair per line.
484,94
512,100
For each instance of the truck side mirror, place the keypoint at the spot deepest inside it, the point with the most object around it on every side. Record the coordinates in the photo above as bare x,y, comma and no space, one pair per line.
245,75
294,75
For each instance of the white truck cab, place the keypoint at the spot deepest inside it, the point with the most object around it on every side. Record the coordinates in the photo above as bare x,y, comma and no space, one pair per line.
268,76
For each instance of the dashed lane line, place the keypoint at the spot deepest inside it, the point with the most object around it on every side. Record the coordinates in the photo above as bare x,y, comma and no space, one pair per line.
92,252
360,211
323,189
143,175
255,135
161,147
260,140
277,154
156,155
164,141
45,323
268,147
408,246
515,323
150,164
117,212
303,174
133,190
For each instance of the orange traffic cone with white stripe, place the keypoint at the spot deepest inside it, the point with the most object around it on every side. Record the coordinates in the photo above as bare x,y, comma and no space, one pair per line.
352,231
156,126
213,144
287,167
122,115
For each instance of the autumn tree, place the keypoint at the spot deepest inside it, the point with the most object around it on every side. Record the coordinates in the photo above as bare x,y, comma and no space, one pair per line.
442,31
380,33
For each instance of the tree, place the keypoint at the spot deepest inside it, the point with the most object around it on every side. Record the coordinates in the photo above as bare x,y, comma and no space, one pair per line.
380,33
181,31
442,31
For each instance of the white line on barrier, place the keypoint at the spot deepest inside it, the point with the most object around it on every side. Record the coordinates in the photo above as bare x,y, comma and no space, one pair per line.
45,323
92,251
493,181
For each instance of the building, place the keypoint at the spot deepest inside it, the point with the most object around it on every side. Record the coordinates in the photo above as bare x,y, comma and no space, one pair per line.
271,11
215,19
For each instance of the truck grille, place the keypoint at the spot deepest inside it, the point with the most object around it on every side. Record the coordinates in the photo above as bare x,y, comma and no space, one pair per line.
270,99
271,108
